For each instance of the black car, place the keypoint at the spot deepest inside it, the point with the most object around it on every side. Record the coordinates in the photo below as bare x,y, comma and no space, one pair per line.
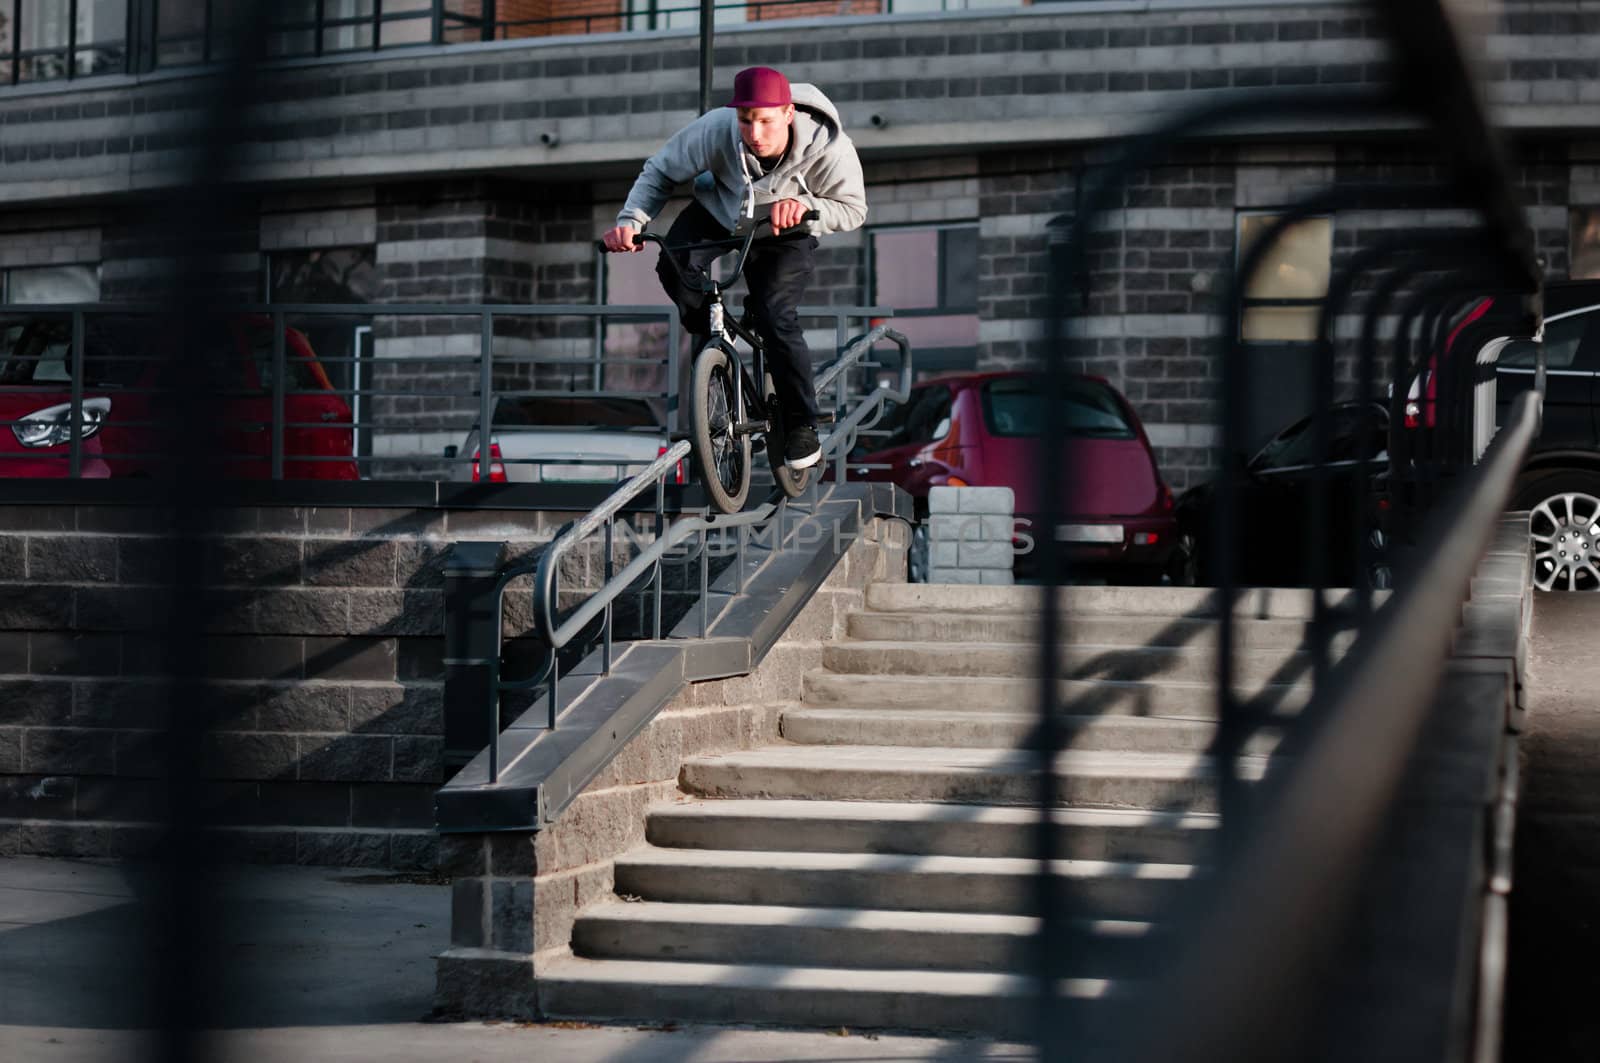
1560,483
1274,505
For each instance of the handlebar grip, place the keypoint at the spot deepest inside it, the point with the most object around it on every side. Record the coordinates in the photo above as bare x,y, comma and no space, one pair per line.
811,215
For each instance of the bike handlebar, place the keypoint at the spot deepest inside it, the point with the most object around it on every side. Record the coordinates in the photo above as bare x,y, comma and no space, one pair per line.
741,242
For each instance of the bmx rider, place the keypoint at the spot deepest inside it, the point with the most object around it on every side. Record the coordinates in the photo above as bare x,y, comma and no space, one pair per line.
775,149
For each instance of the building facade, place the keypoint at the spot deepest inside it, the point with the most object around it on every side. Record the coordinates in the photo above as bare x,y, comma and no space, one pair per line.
375,165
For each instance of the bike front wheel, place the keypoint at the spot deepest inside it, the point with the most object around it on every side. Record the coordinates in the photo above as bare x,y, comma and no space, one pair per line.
721,451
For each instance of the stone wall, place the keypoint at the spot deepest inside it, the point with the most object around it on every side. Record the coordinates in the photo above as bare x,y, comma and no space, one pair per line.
517,893
322,658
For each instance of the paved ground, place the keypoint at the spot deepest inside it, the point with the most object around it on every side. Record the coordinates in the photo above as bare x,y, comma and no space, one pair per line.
319,965
1554,974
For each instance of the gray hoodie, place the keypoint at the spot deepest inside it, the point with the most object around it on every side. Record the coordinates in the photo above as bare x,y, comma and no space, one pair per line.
820,169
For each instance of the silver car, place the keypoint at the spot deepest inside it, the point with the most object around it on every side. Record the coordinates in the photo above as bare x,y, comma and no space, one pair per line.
562,439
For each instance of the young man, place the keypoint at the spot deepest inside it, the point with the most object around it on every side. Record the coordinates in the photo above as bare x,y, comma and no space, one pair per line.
780,149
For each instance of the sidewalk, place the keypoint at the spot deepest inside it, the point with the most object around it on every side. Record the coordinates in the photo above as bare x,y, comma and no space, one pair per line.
318,964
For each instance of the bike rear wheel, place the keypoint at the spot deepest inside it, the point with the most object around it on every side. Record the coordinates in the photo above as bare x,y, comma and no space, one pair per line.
721,452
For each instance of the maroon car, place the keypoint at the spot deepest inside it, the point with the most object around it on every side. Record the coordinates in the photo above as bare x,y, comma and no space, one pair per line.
982,430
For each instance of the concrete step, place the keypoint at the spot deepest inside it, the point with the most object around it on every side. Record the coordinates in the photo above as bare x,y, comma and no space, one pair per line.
638,991
878,881
846,937
1192,634
979,694
1253,603
997,730
1014,659
915,829
1184,782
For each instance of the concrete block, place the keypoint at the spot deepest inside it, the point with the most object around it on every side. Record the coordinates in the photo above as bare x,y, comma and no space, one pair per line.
953,575
964,527
985,555
511,915
944,500
992,500
997,576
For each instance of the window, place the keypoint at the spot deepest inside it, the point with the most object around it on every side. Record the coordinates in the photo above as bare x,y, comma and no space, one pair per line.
1357,433
50,284
1585,244
929,277
199,31
1561,342
1285,294
43,40
1015,406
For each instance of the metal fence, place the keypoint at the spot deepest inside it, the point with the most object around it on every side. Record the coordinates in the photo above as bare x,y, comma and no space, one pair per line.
349,392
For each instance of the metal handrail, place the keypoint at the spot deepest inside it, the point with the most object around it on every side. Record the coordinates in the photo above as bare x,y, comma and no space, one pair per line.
546,569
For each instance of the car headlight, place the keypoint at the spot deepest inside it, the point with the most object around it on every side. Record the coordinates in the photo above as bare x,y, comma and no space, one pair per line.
52,425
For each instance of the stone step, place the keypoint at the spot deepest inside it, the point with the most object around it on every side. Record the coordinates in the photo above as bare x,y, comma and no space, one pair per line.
846,937
1191,634
913,829
1153,781
1013,659
986,885
646,991
1254,603
1191,700
996,730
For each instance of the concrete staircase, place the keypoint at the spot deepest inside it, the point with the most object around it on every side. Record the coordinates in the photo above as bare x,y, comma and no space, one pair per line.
874,870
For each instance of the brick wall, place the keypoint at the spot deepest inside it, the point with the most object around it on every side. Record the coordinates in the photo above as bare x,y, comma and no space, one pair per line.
323,656
1037,76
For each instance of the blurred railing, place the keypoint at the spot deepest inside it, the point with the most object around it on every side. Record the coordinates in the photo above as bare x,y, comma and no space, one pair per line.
1248,957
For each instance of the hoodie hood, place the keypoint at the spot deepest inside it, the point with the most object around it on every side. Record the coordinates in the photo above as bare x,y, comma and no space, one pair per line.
820,169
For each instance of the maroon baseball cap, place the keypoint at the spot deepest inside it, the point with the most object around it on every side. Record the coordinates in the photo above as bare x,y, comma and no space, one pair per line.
760,86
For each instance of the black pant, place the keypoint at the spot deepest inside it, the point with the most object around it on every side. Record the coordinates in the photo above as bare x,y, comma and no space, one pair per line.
776,273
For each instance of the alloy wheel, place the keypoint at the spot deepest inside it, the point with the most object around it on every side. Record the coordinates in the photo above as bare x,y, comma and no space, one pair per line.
1565,530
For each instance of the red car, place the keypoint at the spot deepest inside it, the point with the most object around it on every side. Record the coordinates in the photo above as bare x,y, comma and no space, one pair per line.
982,429
128,414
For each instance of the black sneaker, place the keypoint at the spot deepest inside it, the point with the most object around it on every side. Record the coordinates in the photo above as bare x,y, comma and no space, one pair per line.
801,450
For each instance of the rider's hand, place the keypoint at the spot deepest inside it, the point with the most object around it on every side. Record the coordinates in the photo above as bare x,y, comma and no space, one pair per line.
621,239
787,213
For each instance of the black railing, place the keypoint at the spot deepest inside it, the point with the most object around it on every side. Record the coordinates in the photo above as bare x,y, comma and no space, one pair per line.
293,412
1249,951
165,34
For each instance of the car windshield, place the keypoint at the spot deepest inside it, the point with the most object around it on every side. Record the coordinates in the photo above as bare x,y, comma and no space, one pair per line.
1358,432
1015,406
38,352
546,411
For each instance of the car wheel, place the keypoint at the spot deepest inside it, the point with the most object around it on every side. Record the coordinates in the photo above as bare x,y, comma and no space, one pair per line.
917,555
1564,531
1184,567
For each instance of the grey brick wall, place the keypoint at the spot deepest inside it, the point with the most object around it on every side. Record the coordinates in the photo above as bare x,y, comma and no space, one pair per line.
323,659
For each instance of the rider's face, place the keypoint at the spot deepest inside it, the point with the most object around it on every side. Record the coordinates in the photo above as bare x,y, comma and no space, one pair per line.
766,129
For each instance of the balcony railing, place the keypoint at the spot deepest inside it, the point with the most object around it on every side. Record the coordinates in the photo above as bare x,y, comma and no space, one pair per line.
67,39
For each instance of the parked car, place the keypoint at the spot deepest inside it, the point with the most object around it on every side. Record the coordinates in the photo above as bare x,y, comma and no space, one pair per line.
1274,505
1560,481
982,430
129,413
566,439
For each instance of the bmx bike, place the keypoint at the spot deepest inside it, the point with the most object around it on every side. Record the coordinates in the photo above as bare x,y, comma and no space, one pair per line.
728,412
